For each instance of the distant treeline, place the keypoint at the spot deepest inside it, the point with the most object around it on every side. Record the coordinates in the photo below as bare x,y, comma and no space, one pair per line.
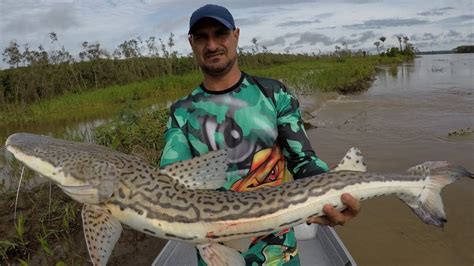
458,50
24,85
464,49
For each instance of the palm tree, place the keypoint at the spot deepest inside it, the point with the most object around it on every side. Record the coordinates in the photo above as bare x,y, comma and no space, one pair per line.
382,40
377,44
405,41
400,42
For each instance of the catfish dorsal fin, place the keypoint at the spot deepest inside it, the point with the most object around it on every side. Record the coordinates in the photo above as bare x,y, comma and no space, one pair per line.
207,171
352,161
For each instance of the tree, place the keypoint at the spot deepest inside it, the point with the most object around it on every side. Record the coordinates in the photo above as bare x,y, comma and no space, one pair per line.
405,42
377,44
255,46
170,55
164,51
61,55
151,45
12,55
33,57
27,55
338,50
400,42
345,45
382,41
42,56
171,43
128,49
392,52
92,52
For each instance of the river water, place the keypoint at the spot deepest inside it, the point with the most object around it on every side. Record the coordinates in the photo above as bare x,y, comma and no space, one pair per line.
418,111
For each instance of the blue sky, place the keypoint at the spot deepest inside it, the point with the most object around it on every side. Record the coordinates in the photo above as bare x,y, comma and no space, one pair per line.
282,26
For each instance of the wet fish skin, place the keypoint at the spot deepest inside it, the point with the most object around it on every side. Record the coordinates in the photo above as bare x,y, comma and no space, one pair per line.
175,202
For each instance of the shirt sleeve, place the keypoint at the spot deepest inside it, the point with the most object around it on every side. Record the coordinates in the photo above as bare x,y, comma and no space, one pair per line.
177,147
300,156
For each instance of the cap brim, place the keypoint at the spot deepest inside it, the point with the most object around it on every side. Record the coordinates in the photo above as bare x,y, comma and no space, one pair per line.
224,22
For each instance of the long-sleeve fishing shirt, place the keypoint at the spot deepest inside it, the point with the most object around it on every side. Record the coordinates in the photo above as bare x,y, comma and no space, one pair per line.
259,121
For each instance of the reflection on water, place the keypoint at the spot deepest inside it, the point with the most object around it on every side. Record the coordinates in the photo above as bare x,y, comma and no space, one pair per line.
402,120
393,70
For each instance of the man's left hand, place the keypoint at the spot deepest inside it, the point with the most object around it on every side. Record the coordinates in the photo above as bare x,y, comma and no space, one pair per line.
334,217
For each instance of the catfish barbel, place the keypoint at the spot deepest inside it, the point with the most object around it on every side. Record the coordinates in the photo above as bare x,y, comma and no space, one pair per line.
179,201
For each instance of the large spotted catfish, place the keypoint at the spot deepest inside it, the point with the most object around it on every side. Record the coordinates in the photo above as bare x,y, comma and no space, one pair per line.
179,201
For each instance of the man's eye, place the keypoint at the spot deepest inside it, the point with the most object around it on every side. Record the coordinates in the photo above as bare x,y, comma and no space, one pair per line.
221,33
198,36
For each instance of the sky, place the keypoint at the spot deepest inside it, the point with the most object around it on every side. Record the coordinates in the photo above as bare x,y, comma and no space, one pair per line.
297,26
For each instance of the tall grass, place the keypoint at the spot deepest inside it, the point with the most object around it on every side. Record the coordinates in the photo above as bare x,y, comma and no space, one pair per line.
100,103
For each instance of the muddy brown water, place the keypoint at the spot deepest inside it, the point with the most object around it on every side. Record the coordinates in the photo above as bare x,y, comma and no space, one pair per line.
415,112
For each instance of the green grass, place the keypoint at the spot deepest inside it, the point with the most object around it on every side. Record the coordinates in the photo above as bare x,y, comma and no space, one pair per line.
135,132
329,74
101,102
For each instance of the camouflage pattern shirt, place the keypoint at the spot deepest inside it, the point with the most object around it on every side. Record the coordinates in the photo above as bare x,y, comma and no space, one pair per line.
259,121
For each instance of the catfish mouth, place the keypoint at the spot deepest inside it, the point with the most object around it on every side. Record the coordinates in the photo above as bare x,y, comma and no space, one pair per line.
84,193
75,189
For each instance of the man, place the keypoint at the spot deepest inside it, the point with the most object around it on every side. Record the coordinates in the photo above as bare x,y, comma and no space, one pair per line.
257,119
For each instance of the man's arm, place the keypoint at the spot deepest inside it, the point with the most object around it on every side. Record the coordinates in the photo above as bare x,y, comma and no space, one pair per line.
176,143
300,156
301,159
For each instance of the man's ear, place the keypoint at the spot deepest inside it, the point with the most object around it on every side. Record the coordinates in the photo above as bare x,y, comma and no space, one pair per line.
190,39
236,33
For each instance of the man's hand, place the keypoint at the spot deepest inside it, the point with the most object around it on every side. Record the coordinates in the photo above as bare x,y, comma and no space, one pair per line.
333,217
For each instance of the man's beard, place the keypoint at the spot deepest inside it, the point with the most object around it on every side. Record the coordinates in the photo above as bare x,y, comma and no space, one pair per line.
217,71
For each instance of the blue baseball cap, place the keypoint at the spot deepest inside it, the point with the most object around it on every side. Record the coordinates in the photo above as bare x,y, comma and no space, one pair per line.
216,12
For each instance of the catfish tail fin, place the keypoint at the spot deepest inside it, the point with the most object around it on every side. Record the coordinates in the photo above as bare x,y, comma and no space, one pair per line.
428,205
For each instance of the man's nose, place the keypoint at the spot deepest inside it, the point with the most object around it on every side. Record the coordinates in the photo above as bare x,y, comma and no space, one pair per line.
212,43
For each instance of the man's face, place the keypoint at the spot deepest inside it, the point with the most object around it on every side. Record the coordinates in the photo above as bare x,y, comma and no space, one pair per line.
214,46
